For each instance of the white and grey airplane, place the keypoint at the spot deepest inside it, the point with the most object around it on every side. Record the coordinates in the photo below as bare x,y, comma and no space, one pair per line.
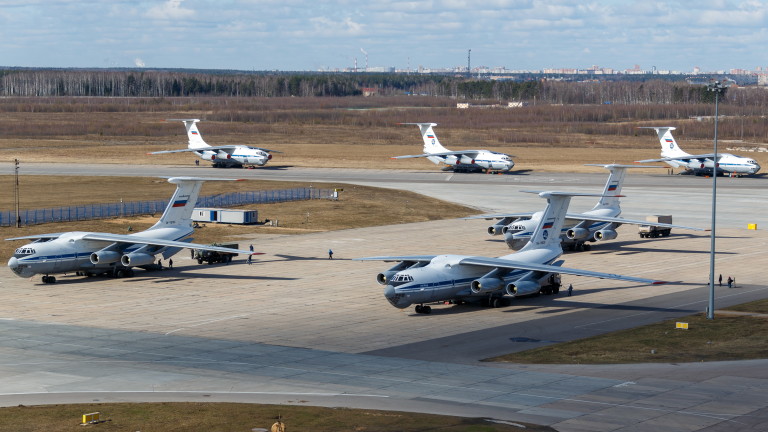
598,224
92,253
222,156
422,279
461,160
701,163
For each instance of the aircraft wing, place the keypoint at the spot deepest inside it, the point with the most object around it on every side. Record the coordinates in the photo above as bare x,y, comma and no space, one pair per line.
133,239
50,236
221,147
470,153
519,265
415,258
684,158
501,216
588,217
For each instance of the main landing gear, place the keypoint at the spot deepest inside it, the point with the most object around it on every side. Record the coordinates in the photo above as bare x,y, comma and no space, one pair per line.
421,309
49,279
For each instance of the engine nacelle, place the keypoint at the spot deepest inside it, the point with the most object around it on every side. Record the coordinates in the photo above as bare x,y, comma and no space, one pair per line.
105,257
606,234
577,233
384,277
137,259
208,155
521,288
497,229
223,155
486,284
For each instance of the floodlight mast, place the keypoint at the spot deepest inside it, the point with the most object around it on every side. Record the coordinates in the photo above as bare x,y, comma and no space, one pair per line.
718,88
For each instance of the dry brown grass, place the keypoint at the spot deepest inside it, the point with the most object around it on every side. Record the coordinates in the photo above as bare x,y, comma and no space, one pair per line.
357,207
212,417
723,339
326,133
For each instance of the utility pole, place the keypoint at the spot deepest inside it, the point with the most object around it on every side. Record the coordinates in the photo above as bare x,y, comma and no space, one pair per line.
718,88
16,193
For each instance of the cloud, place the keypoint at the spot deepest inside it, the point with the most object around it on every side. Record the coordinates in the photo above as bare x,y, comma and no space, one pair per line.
139,62
170,10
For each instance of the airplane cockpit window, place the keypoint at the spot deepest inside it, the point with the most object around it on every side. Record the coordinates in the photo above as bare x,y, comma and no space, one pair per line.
23,251
400,279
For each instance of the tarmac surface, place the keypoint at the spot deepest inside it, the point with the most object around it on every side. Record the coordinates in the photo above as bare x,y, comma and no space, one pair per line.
297,328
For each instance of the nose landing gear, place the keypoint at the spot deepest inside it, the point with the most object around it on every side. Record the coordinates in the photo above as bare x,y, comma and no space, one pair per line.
421,309
49,279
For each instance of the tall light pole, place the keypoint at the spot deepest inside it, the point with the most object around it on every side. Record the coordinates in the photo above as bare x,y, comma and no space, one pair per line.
718,88
16,193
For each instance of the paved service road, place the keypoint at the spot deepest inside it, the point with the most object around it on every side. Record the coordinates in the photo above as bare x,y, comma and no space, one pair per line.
298,328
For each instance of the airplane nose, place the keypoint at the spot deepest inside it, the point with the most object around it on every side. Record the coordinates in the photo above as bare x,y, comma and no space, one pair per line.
13,263
395,298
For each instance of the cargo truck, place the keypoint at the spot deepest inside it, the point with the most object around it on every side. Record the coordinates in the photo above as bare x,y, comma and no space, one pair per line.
649,231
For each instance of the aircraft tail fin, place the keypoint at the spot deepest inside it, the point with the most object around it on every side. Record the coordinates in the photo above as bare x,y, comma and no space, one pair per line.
547,232
613,185
431,143
195,139
183,201
669,147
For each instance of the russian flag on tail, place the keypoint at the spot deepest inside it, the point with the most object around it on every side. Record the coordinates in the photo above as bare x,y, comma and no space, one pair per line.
179,203
548,224
612,187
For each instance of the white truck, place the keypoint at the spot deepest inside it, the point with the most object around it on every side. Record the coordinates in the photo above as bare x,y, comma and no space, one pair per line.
648,231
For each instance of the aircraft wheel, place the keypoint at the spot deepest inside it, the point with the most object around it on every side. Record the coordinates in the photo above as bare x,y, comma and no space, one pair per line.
120,273
587,246
426,310
129,273
556,289
495,303
419,309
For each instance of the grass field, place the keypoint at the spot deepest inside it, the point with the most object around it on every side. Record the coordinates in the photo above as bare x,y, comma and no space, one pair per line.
357,207
327,133
727,337
227,417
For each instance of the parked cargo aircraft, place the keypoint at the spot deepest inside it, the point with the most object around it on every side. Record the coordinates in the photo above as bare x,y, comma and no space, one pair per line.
222,156
461,160
422,279
701,164
598,224
92,253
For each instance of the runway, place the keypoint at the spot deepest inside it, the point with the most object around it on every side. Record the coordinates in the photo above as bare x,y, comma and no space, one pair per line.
298,328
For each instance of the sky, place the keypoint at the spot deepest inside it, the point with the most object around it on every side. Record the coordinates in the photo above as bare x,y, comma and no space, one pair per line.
325,35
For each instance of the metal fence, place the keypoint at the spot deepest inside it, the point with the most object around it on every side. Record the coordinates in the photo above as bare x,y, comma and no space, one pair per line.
136,208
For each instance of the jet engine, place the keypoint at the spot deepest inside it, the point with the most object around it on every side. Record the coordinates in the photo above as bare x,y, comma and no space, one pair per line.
136,259
606,234
486,284
499,227
208,155
223,155
577,233
105,257
521,288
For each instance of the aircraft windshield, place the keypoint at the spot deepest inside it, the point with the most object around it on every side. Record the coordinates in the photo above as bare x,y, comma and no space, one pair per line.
400,279
23,251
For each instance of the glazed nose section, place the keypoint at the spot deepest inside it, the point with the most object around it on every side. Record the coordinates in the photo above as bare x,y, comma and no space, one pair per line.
395,298
16,267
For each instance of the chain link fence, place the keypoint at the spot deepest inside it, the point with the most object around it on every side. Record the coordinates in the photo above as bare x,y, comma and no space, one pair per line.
136,208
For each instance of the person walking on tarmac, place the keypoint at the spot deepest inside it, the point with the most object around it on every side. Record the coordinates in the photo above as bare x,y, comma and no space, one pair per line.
330,254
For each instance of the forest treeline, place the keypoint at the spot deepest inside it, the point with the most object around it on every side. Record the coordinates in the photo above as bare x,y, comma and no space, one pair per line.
159,84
